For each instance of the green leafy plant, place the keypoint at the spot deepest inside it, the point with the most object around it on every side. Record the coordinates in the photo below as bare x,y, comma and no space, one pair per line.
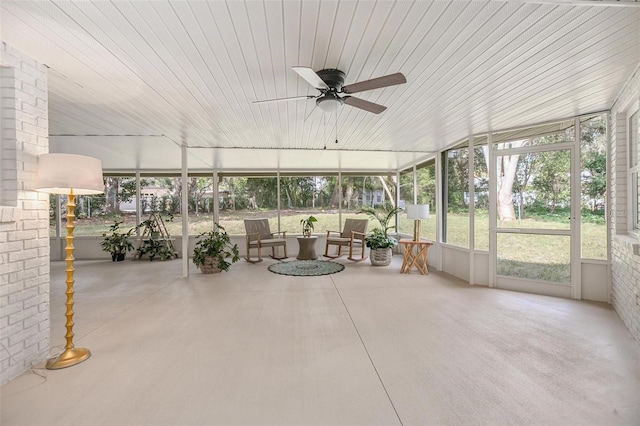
215,244
156,249
307,225
380,238
117,243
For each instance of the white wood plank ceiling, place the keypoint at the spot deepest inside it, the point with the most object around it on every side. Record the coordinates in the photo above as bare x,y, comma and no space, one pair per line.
132,80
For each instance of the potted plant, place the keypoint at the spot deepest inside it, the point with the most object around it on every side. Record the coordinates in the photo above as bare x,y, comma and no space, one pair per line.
379,241
212,250
117,243
307,225
156,248
151,227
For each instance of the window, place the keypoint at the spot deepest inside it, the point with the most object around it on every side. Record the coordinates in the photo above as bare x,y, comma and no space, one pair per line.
426,177
302,196
480,196
95,213
593,185
374,191
455,163
425,194
634,169
246,197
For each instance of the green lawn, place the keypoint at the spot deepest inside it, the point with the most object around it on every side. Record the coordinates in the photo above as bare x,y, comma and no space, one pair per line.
593,234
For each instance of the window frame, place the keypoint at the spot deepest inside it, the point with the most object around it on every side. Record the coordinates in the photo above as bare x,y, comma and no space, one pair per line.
633,170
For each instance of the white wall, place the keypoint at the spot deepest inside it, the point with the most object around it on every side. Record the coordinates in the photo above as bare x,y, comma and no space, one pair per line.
24,215
625,265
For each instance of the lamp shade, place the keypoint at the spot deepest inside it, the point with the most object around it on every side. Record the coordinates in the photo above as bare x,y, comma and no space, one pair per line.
60,173
418,211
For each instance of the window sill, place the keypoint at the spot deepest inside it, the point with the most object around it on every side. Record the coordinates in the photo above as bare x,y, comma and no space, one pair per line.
631,241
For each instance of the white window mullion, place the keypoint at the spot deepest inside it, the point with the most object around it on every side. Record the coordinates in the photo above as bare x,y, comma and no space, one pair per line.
493,212
576,216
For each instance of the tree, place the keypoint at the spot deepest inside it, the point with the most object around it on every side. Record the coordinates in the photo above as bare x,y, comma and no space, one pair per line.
198,186
594,161
506,167
458,177
552,180
526,168
119,190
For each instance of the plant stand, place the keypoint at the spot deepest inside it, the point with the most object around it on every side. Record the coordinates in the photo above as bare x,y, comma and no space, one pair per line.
155,244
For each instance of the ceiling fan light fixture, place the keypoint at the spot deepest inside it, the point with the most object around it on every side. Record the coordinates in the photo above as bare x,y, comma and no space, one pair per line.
329,102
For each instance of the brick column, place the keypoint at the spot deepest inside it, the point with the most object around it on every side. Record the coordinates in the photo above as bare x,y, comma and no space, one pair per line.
24,215
625,265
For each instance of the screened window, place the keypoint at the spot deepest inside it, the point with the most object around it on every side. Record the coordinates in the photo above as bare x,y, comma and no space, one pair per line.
375,191
243,197
425,194
95,213
481,198
304,196
456,196
593,185
634,169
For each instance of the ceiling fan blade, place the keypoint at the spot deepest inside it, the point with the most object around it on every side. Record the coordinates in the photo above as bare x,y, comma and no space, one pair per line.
311,77
294,98
375,83
365,105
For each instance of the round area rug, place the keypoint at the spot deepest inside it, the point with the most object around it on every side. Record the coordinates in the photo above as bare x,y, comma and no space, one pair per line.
306,268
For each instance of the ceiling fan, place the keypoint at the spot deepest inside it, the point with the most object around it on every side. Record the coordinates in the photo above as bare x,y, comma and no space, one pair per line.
330,83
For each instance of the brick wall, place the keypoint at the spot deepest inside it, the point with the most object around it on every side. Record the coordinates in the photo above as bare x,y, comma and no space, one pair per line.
24,215
625,265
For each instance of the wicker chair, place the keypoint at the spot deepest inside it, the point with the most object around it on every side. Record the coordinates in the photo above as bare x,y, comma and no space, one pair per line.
259,235
352,235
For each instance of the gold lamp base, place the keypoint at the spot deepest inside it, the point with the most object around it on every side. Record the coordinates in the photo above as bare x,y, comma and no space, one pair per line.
68,358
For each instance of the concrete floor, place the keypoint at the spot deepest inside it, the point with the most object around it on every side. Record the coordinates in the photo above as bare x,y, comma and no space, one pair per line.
364,346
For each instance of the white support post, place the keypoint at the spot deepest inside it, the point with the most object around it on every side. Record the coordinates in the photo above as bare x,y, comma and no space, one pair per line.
608,204
138,202
439,207
339,199
415,184
185,213
397,185
278,195
216,201
472,207
58,216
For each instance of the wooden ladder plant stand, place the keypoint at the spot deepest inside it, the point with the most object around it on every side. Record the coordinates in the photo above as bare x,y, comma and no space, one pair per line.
146,237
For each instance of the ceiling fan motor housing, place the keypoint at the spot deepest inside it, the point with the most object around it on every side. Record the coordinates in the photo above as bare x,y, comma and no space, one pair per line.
333,77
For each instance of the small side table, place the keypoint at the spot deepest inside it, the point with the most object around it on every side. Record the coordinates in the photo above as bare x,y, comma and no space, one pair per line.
415,255
307,248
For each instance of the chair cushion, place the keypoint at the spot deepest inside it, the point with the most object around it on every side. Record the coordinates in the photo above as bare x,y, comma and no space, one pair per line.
268,242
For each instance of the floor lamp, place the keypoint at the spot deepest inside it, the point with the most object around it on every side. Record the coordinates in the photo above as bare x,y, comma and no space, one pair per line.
417,212
70,175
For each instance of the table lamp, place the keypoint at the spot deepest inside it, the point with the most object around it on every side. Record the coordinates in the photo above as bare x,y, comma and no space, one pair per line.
70,175
417,212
